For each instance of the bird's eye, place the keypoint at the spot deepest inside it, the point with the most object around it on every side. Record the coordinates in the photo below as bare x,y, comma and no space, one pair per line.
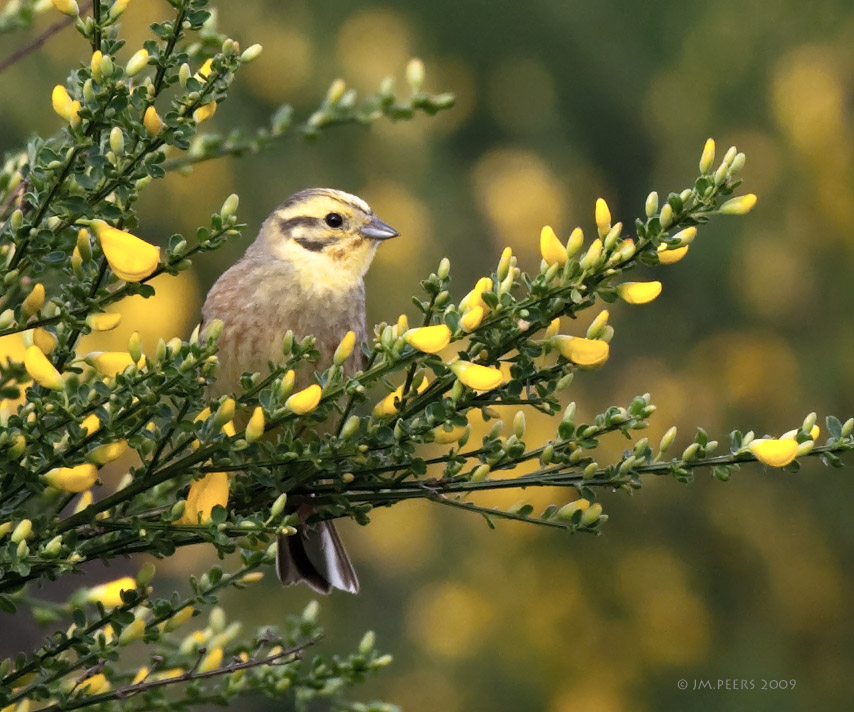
334,220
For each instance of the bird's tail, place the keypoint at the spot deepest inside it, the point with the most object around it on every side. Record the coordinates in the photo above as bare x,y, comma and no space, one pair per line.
316,556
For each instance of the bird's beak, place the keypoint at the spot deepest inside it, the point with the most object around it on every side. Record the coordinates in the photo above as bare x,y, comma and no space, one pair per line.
376,229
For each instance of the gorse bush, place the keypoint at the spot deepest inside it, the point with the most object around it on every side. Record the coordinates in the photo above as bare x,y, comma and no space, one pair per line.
232,472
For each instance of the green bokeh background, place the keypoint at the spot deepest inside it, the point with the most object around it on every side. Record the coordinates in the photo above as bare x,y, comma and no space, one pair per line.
560,103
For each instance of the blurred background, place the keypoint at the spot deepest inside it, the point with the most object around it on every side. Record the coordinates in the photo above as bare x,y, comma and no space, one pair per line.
559,103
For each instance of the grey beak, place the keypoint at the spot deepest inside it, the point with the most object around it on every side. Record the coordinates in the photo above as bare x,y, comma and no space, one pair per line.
376,229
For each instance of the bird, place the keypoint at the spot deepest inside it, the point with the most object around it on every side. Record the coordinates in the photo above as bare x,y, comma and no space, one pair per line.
303,273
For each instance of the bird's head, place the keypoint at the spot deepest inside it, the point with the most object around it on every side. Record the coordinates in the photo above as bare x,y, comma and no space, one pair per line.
328,236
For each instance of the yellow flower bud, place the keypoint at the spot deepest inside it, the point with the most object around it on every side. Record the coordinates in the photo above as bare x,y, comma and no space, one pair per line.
668,256
815,431
565,513
204,70
251,53
345,348
429,339
34,300
415,74
591,514
388,406
551,248
203,113
179,618
137,62
708,156
118,7
553,328
5,528
23,530
109,594
42,370
109,452
639,292
130,258
583,352
591,257
72,479
597,326
255,427
204,495
444,437
211,661
67,7
774,453
665,217
252,577
44,340
103,322
132,632
477,377
651,205
152,121
224,413
474,297
738,206
471,319
504,263
141,674
603,217
576,240
95,684
109,363
305,401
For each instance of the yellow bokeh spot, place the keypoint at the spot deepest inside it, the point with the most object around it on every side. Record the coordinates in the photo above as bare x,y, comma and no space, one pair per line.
518,192
450,620
396,555
371,43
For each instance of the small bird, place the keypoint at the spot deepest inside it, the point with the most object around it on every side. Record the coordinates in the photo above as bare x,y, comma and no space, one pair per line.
304,272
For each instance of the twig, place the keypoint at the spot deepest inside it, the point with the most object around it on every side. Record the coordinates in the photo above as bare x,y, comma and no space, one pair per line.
41,39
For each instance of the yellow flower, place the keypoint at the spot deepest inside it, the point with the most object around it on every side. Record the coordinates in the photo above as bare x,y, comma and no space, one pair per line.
95,684
387,405
639,292
255,427
179,618
91,424
109,593
444,437
109,363
565,513
103,322
774,453
474,297
119,6
477,377
141,674
429,339
553,328
67,7
603,217
42,370
62,103
204,70
305,401
132,632
83,502
109,452
203,113
152,121
72,479
583,352
130,258
668,257
738,206
471,319
205,494
815,431
551,248
34,300
211,661
708,156
44,340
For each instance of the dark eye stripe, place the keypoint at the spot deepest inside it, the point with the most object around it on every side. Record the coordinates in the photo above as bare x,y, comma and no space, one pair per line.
287,225
311,245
